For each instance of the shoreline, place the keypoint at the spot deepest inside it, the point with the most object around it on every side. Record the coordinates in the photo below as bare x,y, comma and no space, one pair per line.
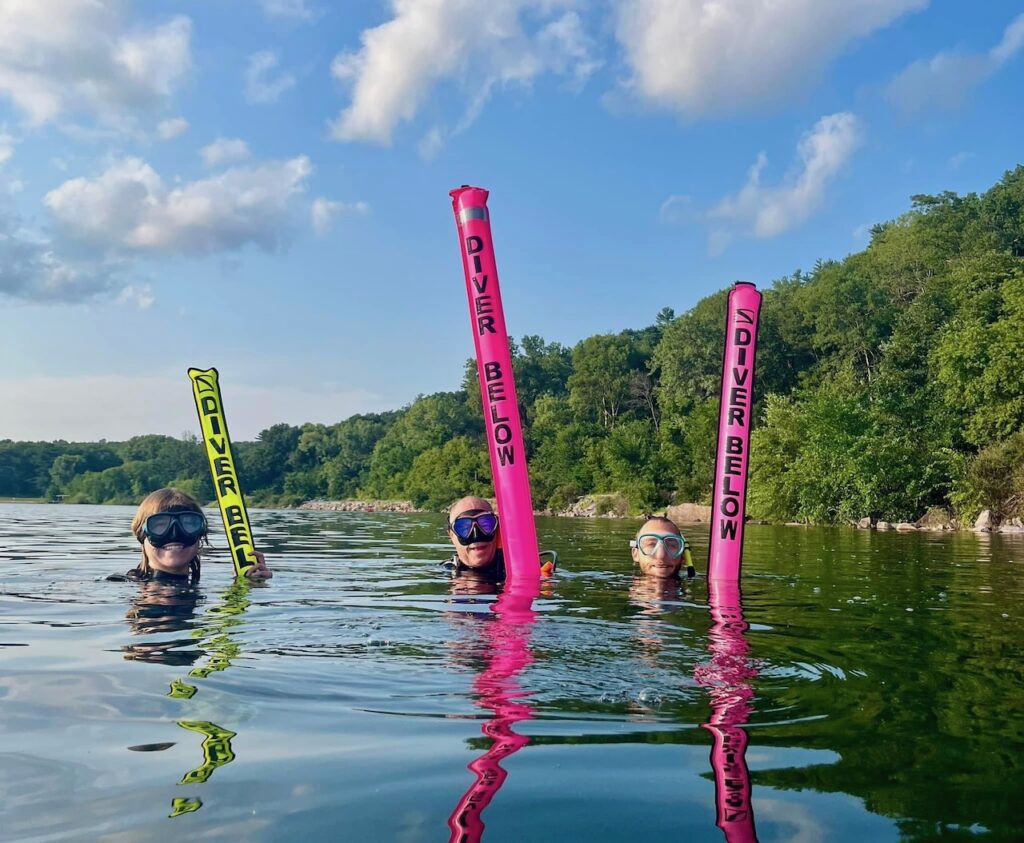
690,514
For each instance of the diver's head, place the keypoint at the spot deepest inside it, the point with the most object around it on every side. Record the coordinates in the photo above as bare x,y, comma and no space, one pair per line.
658,548
171,528
473,531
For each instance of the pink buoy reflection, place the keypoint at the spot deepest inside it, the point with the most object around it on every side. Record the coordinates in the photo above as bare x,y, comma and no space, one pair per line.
727,679
507,641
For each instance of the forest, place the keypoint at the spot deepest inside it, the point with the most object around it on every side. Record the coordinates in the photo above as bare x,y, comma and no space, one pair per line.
887,384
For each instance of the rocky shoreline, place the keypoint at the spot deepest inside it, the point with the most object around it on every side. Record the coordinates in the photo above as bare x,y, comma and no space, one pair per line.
615,506
939,520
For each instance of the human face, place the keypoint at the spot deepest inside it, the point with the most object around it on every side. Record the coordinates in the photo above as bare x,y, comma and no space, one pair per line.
479,553
658,562
173,558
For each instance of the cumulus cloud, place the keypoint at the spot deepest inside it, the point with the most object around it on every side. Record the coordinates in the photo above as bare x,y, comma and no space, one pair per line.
948,79
478,45
32,271
324,211
71,56
171,128
129,209
698,57
293,9
762,210
224,151
260,85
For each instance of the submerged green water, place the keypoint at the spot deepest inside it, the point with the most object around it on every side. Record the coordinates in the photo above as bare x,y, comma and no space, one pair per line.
882,689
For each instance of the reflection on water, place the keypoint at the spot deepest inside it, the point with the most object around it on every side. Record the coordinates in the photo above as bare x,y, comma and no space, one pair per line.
505,644
159,608
353,692
217,749
729,678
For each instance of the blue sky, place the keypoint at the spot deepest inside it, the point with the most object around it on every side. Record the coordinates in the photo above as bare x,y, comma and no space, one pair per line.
263,185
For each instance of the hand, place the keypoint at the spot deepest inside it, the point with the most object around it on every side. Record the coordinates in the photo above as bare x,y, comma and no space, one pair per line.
259,571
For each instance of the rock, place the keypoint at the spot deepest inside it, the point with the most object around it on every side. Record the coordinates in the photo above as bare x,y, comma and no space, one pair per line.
905,527
689,513
360,506
597,506
883,525
864,524
936,518
985,523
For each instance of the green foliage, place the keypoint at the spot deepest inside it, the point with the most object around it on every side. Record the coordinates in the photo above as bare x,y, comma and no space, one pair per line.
978,358
994,480
442,474
689,357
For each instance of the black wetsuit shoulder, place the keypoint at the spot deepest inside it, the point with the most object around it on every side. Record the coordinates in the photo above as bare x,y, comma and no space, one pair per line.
136,575
495,571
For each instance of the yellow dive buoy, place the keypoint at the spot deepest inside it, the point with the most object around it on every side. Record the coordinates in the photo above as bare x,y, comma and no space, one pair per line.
206,390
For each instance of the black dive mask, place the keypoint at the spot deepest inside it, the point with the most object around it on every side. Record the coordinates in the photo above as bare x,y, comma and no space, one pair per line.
164,528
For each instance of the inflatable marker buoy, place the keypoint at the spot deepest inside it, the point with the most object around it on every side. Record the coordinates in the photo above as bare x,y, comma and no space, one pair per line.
206,390
729,500
497,388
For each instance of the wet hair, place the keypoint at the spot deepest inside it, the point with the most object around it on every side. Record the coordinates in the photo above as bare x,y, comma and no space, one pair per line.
661,519
165,500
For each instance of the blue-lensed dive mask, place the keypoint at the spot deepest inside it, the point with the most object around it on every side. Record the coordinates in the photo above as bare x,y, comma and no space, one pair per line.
474,527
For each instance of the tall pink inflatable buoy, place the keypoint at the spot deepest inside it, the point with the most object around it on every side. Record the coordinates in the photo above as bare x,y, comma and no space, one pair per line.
497,390
729,501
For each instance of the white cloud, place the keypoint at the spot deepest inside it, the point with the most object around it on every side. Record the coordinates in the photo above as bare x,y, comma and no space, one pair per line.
48,408
699,57
957,161
948,79
140,297
480,45
1013,40
129,209
294,9
70,56
32,271
224,151
171,128
676,209
6,147
764,211
431,144
260,87
324,211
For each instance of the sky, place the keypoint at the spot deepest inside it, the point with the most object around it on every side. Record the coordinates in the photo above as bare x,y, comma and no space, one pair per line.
262,185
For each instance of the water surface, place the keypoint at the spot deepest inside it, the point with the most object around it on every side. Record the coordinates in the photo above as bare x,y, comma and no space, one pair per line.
868,687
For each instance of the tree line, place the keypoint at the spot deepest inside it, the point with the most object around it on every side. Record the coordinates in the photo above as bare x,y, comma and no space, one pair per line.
886,383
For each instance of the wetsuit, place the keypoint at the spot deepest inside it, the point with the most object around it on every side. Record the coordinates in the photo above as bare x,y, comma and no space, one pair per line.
495,572
136,575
